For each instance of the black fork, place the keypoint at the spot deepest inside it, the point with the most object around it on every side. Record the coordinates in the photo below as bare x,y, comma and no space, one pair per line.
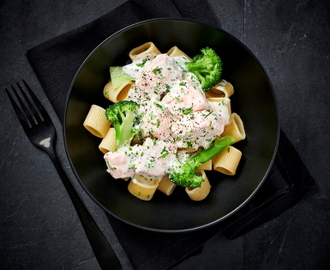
40,130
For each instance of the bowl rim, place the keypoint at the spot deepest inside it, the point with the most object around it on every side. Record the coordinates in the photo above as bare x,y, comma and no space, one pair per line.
275,101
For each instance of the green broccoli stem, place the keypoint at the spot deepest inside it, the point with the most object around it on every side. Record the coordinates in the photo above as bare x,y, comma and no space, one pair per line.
124,132
185,175
212,151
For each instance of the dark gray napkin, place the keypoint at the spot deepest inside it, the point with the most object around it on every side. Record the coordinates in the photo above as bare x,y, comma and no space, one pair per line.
55,63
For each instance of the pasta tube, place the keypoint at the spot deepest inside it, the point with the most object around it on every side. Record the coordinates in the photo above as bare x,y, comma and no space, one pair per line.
108,143
227,161
96,122
143,50
166,185
235,128
199,193
142,188
118,94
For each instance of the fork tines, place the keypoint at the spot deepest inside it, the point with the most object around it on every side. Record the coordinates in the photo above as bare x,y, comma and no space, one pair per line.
27,106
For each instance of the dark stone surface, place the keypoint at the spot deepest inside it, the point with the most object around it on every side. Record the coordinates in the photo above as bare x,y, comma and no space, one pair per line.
39,228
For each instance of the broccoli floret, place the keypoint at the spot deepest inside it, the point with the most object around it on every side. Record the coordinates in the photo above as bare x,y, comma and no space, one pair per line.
207,66
183,174
123,116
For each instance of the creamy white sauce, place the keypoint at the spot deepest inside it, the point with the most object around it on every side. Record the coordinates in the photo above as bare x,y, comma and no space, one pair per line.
133,68
174,112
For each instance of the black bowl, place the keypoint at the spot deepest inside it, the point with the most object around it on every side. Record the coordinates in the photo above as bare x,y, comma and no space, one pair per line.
253,100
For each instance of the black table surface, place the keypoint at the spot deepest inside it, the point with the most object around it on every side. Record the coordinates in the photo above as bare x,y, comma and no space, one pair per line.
291,39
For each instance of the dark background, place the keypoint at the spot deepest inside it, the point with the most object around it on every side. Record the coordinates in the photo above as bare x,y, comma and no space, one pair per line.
38,227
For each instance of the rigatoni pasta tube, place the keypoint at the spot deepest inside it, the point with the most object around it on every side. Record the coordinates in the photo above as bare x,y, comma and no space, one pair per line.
118,94
235,128
223,88
144,190
175,51
199,193
166,185
206,166
96,122
227,161
143,50
108,143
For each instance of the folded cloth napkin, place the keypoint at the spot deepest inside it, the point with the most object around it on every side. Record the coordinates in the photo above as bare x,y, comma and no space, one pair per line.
55,63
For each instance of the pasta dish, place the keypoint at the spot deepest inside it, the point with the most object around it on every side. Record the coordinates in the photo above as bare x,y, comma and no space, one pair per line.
163,122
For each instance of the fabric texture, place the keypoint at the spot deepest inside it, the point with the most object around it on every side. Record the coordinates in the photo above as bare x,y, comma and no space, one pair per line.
55,63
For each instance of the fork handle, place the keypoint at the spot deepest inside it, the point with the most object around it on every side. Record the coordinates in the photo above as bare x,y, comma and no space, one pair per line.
104,253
